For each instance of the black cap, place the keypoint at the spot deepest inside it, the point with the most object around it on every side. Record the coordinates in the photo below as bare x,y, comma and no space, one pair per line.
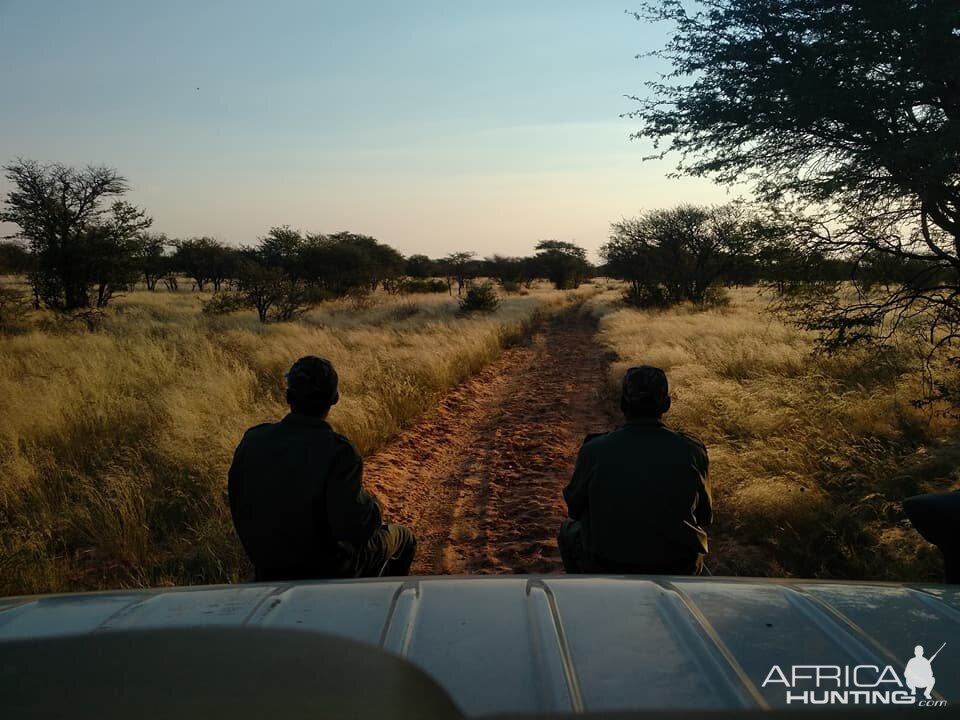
312,381
645,390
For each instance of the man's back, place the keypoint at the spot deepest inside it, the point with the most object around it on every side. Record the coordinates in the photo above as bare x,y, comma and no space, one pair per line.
295,493
642,496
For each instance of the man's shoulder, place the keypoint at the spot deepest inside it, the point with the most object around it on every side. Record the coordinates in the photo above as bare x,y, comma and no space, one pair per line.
691,439
343,443
257,431
329,442
594,438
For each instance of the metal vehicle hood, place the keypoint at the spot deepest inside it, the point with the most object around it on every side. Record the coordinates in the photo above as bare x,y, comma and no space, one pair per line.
561,643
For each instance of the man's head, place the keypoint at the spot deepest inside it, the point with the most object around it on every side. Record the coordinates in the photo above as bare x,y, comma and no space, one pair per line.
645,393
312,386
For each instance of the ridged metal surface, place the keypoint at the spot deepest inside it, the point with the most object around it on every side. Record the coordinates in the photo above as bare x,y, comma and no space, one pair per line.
556,643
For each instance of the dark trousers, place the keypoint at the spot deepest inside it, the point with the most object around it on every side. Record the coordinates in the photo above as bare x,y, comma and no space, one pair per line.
577,558
389,553
936,516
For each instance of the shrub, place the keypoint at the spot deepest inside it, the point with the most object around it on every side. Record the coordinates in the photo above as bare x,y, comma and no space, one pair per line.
224,303
275,295
647,296
510,286
419,285
716,296
480,298
13,309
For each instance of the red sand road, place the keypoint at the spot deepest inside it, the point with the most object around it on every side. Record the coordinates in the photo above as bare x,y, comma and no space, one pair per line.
479,480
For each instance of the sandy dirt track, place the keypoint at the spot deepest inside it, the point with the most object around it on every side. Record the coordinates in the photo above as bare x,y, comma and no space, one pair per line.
479,479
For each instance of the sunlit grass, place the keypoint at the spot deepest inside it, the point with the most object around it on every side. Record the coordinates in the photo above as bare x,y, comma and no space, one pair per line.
810,456
114,444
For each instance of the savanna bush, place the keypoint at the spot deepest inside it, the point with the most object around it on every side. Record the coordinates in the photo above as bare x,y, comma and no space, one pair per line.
480,298
426,285
716,297
647,297
223,303
14,306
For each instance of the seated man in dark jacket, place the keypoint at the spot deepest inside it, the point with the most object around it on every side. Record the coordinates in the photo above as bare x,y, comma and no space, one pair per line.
296,495
639,499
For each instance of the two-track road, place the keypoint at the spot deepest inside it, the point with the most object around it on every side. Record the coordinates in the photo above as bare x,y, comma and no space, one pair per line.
479,479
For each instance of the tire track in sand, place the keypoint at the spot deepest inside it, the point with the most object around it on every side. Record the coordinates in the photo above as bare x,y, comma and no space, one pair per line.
479,480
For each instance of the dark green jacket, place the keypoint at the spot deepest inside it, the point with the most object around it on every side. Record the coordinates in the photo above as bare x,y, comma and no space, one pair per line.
642,495
297,500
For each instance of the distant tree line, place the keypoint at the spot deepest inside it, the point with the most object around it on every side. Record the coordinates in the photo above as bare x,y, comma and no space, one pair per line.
689,253
79,245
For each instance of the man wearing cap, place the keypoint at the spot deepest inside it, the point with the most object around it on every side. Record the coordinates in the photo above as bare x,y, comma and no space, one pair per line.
639,499
296,494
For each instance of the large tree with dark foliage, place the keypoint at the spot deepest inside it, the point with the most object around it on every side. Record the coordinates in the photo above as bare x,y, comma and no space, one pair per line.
346,263
507,271
153,259
83,249
680,254
206,261
272,292
14,259
282,248
421,267
847,111
459,267
563,263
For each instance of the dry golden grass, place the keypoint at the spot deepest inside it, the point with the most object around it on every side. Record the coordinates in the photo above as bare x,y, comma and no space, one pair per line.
114,444
810,457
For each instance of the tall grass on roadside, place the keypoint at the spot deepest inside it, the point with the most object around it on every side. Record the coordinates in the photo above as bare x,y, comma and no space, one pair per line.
114,444
810,456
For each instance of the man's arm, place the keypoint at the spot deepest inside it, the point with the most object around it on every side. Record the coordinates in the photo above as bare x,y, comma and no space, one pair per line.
576,493
704,510
234,481
235,489
353,514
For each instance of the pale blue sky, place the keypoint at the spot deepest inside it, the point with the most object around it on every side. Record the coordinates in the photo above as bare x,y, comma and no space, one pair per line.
434,126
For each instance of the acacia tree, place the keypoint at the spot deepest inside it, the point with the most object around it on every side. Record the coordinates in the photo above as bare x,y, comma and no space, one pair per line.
850,113
83,249
421,267
270,291
112,250
678,254
346,263
206,261
14,259
153,259
508,271
282,248
457,267
563,263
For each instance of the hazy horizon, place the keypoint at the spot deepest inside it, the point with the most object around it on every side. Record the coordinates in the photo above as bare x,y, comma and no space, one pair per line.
432,128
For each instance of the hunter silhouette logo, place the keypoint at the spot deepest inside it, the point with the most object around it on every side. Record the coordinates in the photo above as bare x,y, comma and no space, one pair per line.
919,671
865,684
